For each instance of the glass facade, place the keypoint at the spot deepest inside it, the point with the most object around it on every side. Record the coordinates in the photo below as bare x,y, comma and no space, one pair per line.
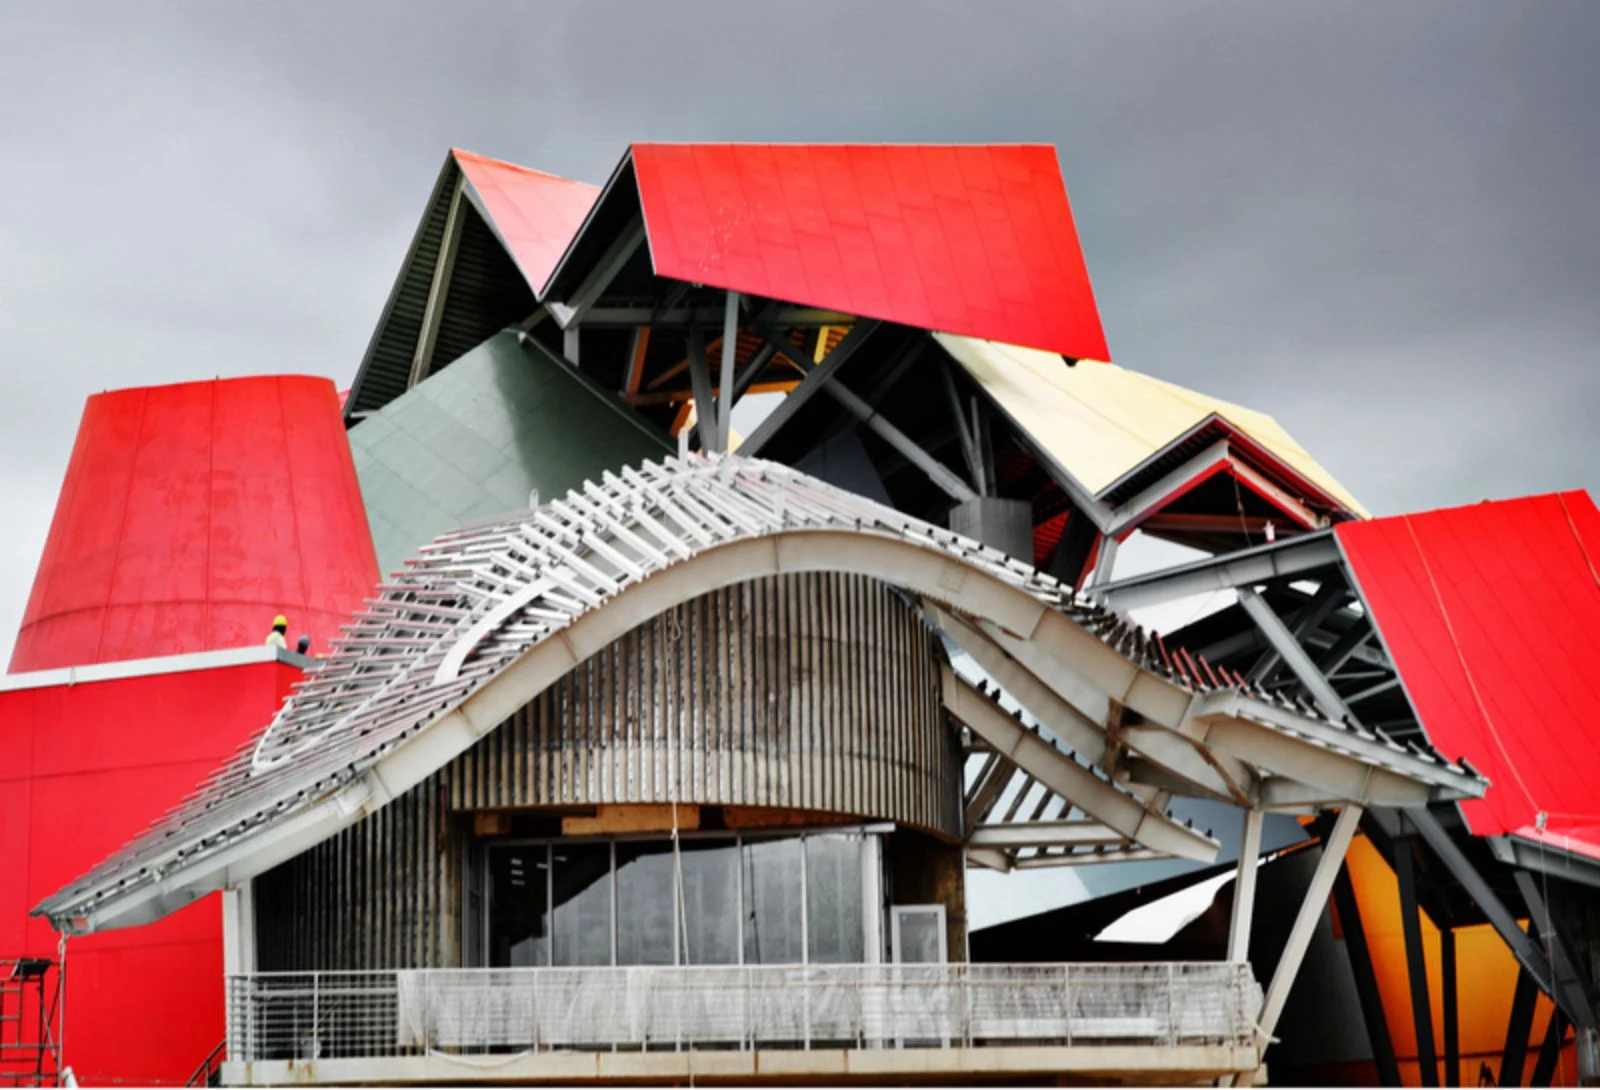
717,900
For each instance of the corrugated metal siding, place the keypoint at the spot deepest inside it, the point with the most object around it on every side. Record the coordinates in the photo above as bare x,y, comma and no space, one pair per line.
387,367
383,894
486,292
816,691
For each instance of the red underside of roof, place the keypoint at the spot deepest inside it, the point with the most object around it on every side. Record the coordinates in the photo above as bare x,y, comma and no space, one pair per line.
535,214
971,240
1490,614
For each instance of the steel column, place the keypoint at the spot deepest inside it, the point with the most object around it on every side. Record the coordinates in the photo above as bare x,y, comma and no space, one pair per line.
1518,1027
1293,655
1372,1012
1244,887
1305,923
1416,962
730,352
1555,1033
1527,952
1452,1002
1569,993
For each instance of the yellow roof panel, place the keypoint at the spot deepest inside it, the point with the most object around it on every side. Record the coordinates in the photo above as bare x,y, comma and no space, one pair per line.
1101,421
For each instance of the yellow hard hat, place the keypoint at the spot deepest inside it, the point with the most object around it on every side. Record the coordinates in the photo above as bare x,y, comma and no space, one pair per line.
280,621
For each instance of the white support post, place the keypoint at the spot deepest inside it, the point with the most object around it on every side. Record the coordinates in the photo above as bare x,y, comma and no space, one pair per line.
238,959
569,344
1305,924
730,352
1244,888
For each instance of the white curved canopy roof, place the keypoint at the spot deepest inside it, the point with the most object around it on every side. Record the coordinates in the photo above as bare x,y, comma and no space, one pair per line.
490,615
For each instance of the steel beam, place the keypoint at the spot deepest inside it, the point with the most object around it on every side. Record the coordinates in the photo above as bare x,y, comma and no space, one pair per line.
705,404
1244,888
1306,620
815,380
675,315
730,353
947,481
1045,834
1555,1034
1293,655
1360,955
1450,986
1525,950
1059,773
1261,564
1518,1027
1196,470
1570,994
578,304
1416,961
1305,922
439,286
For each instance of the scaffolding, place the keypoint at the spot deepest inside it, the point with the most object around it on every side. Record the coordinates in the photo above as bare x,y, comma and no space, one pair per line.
30,1003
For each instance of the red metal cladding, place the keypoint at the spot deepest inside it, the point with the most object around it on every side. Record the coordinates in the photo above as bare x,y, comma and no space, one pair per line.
87,767
1489,612
191,515
535,214
972,240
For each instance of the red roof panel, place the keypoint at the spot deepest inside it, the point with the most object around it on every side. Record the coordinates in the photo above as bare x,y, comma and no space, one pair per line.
1490,613
535,214
971,240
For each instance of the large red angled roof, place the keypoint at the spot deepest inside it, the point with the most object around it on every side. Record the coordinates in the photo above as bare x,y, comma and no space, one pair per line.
535,214
973,240
1490,614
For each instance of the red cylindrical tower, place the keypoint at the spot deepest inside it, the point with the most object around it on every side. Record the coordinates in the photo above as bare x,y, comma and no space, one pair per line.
191,515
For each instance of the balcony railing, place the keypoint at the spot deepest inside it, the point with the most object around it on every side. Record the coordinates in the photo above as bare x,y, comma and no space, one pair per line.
318,1016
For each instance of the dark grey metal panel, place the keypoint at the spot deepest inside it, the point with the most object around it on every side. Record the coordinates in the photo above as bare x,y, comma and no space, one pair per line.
473,441
814,692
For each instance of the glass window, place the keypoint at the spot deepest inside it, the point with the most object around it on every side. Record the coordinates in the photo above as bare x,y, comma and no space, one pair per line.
581,893
711,901
645,903
519,922
833,899
772,902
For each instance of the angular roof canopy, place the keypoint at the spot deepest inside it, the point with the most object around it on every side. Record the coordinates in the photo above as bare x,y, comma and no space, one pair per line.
1490,613
488,239
965,239
533,214
493,614
1103,424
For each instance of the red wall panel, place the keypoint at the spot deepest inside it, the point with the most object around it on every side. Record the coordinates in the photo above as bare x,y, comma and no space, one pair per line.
191,515
84,768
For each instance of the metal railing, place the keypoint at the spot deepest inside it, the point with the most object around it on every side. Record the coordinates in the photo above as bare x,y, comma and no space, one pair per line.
327,1015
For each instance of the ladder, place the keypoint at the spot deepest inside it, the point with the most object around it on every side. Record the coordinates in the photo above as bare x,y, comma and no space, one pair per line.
30,995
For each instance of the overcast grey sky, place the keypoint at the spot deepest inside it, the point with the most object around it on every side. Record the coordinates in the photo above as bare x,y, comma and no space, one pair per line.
1376,222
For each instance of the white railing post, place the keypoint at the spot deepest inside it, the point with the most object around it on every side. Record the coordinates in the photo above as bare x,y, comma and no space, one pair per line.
1172,1003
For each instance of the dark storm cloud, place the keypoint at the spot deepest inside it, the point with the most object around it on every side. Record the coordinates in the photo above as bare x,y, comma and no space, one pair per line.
1377,224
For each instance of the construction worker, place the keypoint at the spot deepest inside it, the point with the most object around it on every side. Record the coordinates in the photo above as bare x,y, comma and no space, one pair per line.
276,638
